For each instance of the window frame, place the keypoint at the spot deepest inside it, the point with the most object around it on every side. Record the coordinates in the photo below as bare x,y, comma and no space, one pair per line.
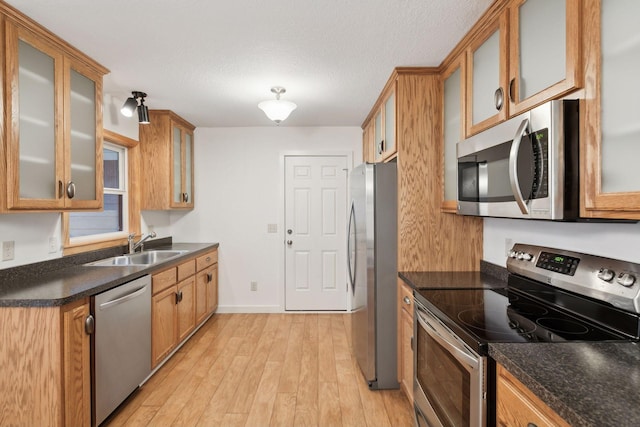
132,217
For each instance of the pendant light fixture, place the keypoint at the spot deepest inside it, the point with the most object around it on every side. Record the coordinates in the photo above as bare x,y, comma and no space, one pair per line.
277,109
136,101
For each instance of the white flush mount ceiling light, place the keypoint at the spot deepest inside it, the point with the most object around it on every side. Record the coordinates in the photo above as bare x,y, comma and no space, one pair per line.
136,101
277,109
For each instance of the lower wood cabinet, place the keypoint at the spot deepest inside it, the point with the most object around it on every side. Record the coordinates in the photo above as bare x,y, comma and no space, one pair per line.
405,338
45,366
183,297
186,307
518,406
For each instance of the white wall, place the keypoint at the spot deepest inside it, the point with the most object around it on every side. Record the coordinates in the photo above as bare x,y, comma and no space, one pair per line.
239,181
612,240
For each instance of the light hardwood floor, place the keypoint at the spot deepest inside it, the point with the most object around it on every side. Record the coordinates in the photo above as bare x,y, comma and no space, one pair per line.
264,370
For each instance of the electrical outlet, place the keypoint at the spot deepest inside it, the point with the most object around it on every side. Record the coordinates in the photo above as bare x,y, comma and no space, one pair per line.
8,248
254,286
508,244
53,244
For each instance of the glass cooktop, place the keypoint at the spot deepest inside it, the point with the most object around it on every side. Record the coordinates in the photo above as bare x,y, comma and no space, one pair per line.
480,316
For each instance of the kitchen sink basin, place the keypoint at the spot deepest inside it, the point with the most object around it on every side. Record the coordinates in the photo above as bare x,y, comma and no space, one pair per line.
141,258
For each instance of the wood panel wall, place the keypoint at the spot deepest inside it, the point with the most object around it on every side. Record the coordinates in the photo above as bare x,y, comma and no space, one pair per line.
427,238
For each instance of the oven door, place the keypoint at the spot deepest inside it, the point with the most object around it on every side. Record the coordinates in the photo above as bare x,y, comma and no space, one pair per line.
449,383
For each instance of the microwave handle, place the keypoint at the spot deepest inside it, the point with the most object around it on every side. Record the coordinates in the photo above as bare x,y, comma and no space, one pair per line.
513,167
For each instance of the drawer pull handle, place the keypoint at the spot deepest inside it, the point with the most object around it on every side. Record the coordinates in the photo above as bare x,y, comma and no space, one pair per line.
406,300
89,325
208,259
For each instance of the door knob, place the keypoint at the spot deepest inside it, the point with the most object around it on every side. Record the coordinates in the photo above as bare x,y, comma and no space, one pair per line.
289,242
289,231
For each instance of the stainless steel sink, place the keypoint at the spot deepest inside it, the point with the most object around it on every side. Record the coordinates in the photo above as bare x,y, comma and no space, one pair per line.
141,258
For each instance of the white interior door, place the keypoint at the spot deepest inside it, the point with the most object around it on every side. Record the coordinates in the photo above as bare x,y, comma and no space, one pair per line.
315,232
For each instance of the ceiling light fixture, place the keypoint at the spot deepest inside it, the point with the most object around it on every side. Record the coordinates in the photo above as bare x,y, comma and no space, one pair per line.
277,109
136,101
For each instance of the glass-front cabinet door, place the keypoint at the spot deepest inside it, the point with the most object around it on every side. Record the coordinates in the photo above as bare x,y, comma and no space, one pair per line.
83,186
487,77
178,194
188,168
182,167
453,129
34,138
610,133
544,59
54,133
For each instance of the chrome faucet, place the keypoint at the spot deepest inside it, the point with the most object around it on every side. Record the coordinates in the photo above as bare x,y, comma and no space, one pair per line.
133,246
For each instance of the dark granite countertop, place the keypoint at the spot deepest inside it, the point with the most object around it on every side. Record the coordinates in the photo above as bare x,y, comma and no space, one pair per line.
489,276
41,284
588,384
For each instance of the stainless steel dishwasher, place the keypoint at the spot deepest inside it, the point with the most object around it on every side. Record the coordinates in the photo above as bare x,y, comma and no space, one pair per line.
121,345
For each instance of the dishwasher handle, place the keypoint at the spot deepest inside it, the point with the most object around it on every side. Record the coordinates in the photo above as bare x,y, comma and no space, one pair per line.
131,295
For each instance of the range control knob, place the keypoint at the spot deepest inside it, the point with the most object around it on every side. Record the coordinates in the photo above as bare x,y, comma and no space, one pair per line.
524,256
513,254
606,274
626,279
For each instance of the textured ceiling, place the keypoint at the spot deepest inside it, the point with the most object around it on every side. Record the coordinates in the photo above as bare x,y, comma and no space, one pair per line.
212,61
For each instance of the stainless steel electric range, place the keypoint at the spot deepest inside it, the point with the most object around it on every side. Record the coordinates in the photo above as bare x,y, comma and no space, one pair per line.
552,295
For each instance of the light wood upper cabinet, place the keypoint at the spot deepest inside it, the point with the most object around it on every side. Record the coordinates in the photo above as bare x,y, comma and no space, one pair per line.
382,128
611,128
523,53
368,143
53,123
545,48
167,162
487,76
453,80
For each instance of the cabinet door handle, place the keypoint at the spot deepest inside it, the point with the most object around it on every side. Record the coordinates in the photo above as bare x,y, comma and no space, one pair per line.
178,297
89,325
498,98
185,197
511,86
71,190
209,277
406,300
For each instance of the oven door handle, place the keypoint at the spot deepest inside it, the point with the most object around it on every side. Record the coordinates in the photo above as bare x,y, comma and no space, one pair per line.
438,334
513,167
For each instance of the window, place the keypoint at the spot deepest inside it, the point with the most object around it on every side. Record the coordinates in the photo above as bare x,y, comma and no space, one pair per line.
113,219
121,214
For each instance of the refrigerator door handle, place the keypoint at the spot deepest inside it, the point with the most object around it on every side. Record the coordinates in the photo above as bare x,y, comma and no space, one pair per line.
352,271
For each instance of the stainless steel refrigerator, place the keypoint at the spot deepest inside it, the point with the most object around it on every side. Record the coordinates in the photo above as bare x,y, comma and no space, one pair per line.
372,248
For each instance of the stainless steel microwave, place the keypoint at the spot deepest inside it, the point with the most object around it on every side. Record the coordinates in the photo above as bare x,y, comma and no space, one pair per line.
525,167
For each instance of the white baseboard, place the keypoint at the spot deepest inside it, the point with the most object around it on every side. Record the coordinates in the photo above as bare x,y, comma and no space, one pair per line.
266,309
249,309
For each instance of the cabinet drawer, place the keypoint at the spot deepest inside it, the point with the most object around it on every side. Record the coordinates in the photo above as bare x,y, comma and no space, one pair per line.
406,298
207,259
186,269
163,280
